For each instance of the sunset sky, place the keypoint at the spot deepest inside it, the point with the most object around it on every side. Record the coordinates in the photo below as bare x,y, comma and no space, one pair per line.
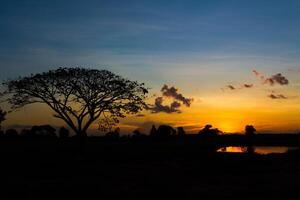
238,60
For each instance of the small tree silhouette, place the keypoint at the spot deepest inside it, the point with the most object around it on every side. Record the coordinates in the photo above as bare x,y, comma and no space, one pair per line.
63,132
114,134
209,131
27,133
2,117
136,133
153,131
79,96
43,131
180,131
249,130
165,131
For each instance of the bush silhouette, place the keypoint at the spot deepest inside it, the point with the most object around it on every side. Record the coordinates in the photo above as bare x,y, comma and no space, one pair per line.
137,133
153,131
63,132
209,131
113,134
250,130
165,131
27,133
2,117
43,131
180,131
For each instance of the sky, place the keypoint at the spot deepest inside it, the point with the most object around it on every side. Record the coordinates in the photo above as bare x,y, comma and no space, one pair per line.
207,50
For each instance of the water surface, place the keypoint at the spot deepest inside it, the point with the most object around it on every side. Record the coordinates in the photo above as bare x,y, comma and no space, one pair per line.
256,149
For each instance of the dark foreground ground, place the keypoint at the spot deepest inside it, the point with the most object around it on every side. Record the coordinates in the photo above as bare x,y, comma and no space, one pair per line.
54,169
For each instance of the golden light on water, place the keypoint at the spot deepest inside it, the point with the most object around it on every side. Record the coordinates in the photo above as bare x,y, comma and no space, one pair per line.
231,149
258,149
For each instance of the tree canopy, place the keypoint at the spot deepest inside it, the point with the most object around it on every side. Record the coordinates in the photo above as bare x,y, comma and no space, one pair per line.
79,96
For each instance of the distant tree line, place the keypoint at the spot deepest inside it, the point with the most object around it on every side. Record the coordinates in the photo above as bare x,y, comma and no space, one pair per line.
42,131
160,133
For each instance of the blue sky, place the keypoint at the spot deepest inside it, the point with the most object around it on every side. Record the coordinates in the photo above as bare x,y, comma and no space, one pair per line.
145,35
198,46
33,33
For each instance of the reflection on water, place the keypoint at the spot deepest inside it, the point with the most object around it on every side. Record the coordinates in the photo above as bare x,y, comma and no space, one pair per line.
256,149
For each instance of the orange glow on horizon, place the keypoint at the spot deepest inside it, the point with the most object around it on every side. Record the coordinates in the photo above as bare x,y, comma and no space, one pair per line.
229,115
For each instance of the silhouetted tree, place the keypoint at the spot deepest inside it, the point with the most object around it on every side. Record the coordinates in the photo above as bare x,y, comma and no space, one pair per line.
27,133
137,134
43,131
249,130
165,131
79,96
114,134
153,131
2,117
63,132
209,131
180,131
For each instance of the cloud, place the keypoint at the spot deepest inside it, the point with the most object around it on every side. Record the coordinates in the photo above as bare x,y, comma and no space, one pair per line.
277,79
175,104
158,107
245,85
277,96
258,74
173,92
174,107
140,115
271,81
231,87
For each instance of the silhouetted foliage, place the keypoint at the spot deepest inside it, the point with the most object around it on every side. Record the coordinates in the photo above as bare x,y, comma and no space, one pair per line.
153,131
79,96
165,131
43,131
209,131
138,135
27,133
63,132
2,117
11,133
249,130
180,131
114,134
